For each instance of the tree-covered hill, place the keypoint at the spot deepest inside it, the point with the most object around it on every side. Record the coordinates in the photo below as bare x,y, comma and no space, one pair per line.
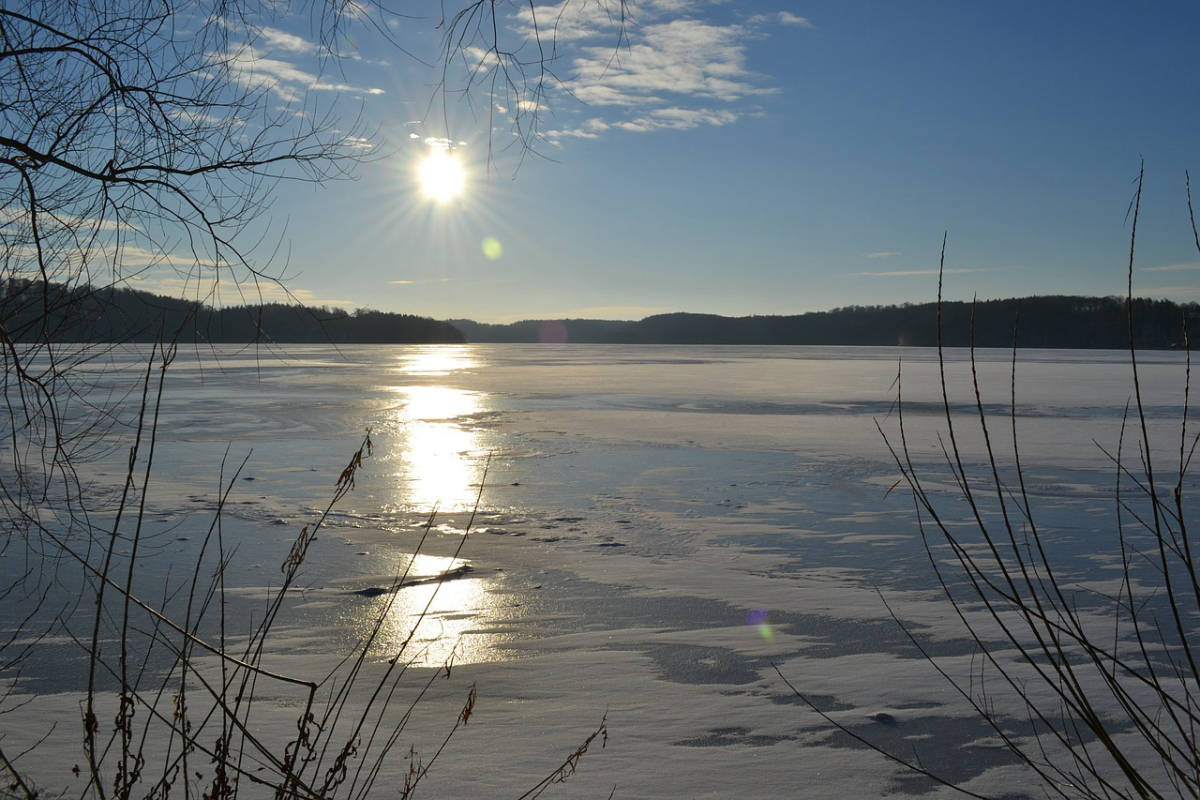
1050,321
87,314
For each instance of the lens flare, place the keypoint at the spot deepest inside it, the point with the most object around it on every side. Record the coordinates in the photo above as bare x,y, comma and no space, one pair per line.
553,332
491,247
758,619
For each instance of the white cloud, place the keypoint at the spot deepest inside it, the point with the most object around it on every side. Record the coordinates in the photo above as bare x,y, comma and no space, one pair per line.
780,18
600,95
441,143
274,293
285,79
271,73
324,86
884,254
903,273
276,39
565,21
480,59
788,18
589,312
133,256
1176,293
413,282
668,68
16,219
354,10
198,118
229,293
1186,266
678,119
107,254
682,57
619,312
590,129
669,6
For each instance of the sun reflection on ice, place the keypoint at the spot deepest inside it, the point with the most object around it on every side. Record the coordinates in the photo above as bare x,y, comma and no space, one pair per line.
437,360
445,615
433,440
439,455
430,434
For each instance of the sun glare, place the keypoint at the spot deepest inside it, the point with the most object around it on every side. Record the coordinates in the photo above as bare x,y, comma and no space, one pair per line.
441,176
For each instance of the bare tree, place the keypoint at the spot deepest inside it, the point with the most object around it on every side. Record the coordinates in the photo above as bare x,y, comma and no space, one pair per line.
136,139
515,69
131,141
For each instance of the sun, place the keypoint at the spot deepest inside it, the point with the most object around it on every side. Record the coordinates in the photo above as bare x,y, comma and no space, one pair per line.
441,176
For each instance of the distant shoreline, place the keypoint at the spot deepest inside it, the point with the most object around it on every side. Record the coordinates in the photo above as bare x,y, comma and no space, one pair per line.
86,314
1058,321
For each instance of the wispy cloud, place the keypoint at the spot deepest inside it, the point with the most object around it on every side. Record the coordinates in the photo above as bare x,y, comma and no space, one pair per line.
133,256
788,18
590,312
589,129
667,69
781,18
275,39
678,119
884,254
228,293
686,57
332,86
273,293
285,79
107,254
404,282
16,219
669,6
1186,266
905,273
1169,292
566,21
619,312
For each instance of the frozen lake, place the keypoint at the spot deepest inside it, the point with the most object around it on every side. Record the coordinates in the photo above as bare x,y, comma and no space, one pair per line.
659,528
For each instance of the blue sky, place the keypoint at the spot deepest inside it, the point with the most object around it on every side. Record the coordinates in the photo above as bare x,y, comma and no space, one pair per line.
744,158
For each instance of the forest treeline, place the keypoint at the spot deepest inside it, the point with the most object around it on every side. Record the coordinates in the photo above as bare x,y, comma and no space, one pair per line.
1048,321
87,314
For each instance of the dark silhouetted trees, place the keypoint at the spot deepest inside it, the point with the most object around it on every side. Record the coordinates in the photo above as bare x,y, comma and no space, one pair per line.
85,314
1051,321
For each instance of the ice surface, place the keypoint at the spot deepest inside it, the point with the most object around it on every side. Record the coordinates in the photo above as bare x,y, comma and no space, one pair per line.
659,528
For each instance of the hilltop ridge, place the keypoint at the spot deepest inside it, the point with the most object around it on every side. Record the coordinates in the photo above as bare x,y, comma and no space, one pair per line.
1066,321
87,314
